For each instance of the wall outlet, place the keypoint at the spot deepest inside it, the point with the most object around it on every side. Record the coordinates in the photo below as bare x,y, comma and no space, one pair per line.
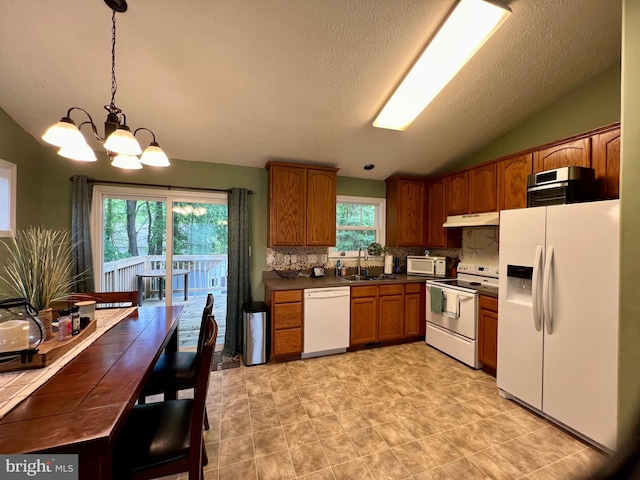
294,258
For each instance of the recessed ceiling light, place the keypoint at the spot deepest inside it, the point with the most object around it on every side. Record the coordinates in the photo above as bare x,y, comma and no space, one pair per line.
369,166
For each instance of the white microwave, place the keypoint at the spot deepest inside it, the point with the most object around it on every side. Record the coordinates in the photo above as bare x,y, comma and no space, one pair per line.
432,266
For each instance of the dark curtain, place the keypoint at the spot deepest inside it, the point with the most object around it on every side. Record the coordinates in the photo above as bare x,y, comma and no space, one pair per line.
80,221
238,277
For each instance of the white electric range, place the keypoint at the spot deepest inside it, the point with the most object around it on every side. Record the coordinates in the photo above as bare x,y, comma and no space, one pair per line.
452,311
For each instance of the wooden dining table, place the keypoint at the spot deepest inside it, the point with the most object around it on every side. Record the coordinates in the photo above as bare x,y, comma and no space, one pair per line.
81,409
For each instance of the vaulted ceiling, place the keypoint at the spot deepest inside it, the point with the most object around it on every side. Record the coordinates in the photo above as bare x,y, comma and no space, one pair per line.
243,82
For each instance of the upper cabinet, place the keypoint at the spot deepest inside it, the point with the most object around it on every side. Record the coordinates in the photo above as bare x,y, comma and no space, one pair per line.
438,236
321,207
406,212
482,189
457,193
512,181
302,205
605,160
574,153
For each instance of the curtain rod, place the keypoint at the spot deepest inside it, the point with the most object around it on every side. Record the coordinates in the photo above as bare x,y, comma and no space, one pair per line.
168,187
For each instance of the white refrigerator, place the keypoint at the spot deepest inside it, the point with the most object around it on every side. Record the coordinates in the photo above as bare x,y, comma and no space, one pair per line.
558,314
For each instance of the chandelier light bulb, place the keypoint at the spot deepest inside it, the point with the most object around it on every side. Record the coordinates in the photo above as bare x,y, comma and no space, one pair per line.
64,133
126,162
154,156
81,152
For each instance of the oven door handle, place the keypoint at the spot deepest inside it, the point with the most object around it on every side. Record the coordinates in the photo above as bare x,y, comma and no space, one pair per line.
546,291
535,287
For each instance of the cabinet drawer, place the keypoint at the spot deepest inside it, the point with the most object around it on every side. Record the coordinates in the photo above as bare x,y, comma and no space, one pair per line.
413,287
371,291
287,341
287,315
395,289
489,303
285,296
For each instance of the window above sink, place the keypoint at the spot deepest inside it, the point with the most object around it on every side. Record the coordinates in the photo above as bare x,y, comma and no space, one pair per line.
360,221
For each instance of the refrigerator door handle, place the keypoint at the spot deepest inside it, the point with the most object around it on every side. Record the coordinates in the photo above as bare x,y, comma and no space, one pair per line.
546,287
535,298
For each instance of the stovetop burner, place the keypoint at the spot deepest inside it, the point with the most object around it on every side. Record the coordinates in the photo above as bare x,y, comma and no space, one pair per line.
474,284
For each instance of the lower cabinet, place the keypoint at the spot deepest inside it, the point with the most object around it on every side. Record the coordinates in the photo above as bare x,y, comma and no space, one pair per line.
391,312
414,310
286,324
488,332
387,313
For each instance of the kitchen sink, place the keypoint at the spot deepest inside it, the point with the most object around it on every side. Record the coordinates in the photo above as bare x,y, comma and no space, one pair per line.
359,278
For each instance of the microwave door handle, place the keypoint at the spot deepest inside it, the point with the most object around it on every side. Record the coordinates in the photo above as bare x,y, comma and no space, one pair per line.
535,294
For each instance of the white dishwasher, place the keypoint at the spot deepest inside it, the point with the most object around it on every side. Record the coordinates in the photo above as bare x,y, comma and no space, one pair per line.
326,321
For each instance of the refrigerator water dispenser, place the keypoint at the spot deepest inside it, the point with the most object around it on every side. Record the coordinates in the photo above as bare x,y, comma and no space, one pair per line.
519,280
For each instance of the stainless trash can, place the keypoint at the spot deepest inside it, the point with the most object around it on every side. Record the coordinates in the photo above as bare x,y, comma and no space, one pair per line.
256,345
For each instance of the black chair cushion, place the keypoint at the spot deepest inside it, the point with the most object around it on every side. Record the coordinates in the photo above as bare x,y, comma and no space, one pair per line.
154,434
172,368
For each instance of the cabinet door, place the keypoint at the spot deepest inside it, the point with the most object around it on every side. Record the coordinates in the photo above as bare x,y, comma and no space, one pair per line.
438,236
488,338
576,153
321,208
411,213
512,181
606,162
287,205
364,320
482,189
413,315
406,212
287,341
457,193
391,317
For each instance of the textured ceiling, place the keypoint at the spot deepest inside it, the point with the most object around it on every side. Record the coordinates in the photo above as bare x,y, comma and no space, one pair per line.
243,82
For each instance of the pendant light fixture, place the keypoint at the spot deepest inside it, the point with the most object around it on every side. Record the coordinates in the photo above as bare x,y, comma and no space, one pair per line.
120,143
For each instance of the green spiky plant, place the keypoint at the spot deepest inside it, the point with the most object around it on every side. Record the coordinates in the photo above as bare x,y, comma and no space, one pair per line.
39,266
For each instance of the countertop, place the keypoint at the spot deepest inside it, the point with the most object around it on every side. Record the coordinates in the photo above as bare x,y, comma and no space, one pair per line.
274,282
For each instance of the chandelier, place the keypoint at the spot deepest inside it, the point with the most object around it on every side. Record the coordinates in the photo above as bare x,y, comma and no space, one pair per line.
121,145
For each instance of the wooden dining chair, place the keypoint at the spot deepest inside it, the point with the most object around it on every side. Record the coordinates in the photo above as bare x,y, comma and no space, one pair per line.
106,299
166,438
176,371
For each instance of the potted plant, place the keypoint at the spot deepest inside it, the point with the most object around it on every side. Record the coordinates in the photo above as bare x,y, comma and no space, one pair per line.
39,267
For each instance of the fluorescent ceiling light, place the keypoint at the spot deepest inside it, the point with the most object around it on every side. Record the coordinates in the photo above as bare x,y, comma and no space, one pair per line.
470,24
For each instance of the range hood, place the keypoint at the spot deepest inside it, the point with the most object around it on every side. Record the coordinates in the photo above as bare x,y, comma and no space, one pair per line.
473,220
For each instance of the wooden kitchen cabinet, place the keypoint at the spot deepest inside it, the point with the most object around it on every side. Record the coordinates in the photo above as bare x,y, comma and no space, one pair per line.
391,312
364,315
488,332
414,310
302,205
438,236
573,153
605,160
512,181
286,324
482,189
321,208
457,193
406,212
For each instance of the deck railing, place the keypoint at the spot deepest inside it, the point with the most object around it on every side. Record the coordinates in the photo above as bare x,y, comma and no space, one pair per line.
208,273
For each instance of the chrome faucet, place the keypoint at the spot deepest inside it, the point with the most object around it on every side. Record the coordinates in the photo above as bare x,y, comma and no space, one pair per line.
358,268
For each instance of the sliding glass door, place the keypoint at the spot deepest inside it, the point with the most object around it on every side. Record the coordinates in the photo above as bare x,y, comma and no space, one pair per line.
170,246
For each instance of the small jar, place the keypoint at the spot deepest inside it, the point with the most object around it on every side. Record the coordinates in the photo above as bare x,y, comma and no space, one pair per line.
344,270
75,320
64,325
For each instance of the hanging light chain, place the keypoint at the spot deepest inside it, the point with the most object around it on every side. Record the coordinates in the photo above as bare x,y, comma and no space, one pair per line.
114,83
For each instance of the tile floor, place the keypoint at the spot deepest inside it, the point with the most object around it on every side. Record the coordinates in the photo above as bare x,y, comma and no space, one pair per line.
402,412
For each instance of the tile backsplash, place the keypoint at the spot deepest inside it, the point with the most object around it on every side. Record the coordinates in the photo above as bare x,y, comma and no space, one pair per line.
479,245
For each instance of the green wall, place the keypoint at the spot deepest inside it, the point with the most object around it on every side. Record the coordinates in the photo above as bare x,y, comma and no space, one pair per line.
593,104
629,354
